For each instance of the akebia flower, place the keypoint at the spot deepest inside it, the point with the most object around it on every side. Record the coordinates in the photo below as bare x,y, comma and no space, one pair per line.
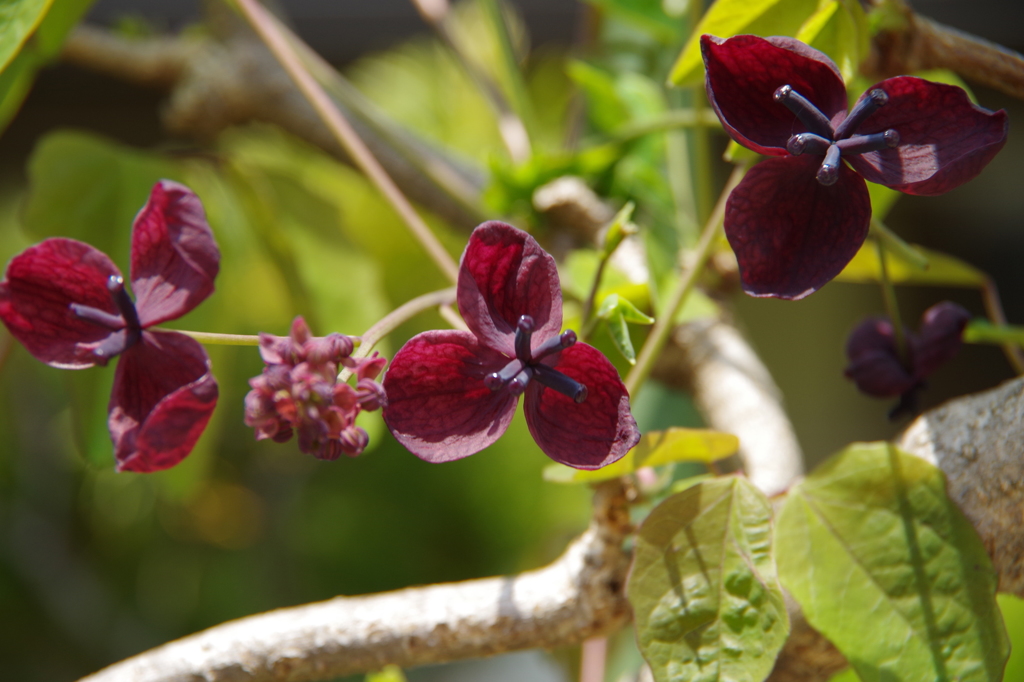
299,391
66,302
875,363
797,219
450,394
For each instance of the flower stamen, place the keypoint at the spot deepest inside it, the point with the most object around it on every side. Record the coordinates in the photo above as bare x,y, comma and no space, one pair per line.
126,325
828,173
809,115
860,144
557,381
807,142
868,105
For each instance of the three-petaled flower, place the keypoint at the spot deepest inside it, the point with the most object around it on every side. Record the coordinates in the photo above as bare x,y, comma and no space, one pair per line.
795,221
877,367
450,394
66,302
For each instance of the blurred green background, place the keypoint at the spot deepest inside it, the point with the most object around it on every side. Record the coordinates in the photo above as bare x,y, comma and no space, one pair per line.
96,566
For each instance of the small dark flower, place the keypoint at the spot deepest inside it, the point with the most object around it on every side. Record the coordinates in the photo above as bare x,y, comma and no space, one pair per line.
450,394
875,363
795,221
298,392
67,304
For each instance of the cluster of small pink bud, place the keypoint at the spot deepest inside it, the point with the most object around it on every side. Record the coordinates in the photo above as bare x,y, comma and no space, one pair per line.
299,392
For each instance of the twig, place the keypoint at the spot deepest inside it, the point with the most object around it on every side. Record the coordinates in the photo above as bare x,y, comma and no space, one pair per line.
925,44
578,596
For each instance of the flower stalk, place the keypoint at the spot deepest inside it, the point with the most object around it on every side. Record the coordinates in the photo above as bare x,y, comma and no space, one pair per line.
663,325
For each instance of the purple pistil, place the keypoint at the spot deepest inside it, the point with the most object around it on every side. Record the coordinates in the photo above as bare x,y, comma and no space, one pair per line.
126,327
516,375
832,143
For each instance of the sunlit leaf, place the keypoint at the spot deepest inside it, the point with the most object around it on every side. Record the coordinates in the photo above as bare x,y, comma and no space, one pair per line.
615,304
18,19
656,448
390,673
20,71
943,269
703,585
839,28
887,567
727,18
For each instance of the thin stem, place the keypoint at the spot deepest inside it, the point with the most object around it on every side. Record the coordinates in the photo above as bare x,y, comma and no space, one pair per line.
212,339
663,325
896,246
892,308
402,313
274,37
593,655
994,310
587,325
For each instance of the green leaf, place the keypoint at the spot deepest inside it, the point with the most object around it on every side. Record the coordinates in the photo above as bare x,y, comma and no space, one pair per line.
19,74
647,15
703,586
882,200
390,673
943,269
728,18
839,29
887,567
18,20
622,226
615,304
618,329
88,188
656,448
605,107
983,331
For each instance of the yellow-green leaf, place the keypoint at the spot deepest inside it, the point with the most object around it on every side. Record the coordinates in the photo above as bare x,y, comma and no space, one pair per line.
727,18
839,29
943,269
656,448
703,586
887,567
18,20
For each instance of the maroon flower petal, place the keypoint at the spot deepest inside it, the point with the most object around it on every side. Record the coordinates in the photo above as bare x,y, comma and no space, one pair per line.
40,285
587,435
791,234
743,74
940,336
506,274
437,404
945,139
163,397
874,361
174,255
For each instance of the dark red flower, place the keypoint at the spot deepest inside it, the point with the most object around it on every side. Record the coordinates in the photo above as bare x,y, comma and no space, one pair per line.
450,394
875,363
298,391
67,303
795,221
